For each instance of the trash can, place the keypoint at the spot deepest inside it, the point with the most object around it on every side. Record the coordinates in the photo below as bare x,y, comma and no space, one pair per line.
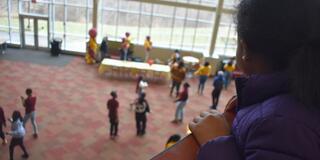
56,46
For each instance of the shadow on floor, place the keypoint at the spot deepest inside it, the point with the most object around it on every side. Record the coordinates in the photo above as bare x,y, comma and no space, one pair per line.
36,57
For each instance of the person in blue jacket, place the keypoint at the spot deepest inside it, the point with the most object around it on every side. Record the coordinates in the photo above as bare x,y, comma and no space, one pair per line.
217,88
278,110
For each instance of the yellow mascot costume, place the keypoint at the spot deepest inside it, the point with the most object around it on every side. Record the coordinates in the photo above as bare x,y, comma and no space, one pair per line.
92,47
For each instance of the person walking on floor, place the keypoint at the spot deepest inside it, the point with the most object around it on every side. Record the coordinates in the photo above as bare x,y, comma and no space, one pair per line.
113,106
180,103
17,132
217,88
2,124
141,85
30,113
178,74
203,72
141,109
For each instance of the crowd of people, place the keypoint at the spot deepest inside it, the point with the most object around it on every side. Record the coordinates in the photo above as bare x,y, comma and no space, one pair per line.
277,110
18,124
96,53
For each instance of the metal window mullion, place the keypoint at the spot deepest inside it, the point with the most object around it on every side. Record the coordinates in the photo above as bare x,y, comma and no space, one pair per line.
172,25
184,28
195,30
53,17
87,19
228,36
117,18
139,25
64,25
9,18
101,21
151,20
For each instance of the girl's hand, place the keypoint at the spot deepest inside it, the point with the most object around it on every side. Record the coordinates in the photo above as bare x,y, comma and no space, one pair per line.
209,125
10,120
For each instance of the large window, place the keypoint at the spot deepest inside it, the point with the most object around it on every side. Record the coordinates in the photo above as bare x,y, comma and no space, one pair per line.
227,38
9,21
172,25
169,26
71,21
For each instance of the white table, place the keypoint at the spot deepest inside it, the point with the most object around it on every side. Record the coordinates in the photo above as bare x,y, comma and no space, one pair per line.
134,67
190,59
190,62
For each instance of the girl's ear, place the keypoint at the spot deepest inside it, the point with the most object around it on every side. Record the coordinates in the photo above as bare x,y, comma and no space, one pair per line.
243,58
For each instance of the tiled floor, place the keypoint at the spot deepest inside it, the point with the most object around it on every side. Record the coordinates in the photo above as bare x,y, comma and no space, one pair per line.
72,116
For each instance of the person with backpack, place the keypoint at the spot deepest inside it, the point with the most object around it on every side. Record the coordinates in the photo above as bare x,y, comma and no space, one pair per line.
217,88
17,132
141,110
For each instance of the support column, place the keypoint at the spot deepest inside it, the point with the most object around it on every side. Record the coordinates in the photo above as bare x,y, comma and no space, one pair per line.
216,27
95,13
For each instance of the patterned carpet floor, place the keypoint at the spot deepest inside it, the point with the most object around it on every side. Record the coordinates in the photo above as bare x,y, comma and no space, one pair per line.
72,114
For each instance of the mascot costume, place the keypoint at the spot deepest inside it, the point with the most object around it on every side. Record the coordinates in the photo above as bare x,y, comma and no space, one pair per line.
92,47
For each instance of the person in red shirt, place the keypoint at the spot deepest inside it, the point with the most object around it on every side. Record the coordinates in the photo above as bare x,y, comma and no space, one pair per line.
29,104
113,106
181,101
2,123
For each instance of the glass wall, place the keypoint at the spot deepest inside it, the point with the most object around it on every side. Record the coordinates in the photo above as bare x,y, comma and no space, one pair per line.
9,21
71,20
170,26
226,43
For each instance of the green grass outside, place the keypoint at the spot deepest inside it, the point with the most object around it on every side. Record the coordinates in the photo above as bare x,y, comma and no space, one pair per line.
159,35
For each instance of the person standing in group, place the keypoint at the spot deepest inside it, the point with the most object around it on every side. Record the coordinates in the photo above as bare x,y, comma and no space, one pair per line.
104,48
178,74
228,70
112,106
141,109
175,58
147,48
203,72
29,103
217,88
2,124
128,40
17,132
124,49
181,102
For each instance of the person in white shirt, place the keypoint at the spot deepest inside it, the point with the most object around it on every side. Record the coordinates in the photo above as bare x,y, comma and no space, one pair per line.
17,132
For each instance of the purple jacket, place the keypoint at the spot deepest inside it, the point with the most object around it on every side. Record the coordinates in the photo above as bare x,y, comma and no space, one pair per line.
270,124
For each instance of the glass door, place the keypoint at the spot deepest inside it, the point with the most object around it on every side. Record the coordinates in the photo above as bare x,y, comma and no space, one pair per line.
43,28
34,31
29,31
